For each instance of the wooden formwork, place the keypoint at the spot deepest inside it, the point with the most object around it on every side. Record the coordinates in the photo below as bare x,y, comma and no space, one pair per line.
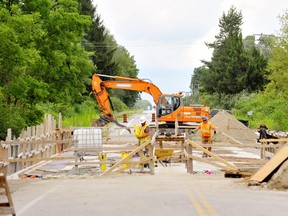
35,144
232,166
117,164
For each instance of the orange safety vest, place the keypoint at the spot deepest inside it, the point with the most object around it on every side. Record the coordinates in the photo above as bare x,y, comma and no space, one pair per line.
206,129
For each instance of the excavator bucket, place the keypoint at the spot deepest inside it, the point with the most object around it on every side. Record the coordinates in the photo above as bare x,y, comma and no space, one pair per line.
104,120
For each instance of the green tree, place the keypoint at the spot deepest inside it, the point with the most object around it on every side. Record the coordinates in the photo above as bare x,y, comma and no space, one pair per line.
270,105
41,57
101,47
279,58
108,57
64,64
196,79
127,68
232,68
265,44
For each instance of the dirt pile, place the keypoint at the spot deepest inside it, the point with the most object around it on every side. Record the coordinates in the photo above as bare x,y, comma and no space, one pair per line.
228,124
280,179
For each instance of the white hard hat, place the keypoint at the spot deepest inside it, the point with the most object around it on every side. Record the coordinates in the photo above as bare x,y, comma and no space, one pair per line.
142,119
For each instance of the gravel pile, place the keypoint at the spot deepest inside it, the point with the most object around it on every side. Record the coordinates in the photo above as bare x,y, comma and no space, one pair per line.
228,124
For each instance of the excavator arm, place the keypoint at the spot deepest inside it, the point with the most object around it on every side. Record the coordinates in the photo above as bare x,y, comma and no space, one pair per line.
99,88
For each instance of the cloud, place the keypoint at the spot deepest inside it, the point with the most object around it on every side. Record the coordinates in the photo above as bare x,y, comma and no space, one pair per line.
166,37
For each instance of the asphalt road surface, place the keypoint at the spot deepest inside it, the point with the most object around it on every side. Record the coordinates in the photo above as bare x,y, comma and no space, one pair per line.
171,191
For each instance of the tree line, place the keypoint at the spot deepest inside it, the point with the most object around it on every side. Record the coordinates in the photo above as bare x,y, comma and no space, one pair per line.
246,75
49,51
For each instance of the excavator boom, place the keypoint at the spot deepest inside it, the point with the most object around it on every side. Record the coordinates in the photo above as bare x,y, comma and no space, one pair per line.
102,96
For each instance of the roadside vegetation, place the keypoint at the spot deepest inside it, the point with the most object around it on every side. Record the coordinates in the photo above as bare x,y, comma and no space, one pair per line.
50,49
247,76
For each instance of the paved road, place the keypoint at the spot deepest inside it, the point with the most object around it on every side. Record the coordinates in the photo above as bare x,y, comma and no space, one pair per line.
171,191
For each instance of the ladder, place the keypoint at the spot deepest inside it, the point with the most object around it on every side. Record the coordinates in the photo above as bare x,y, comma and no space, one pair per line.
6,207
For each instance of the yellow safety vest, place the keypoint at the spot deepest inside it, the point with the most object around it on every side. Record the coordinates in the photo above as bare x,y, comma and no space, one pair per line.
140,131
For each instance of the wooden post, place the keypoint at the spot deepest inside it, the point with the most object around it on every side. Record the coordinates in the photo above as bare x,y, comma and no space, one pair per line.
182,150
263,150
7,152
14,155
151,163
3,156
60,121
189,159
142,156
161,144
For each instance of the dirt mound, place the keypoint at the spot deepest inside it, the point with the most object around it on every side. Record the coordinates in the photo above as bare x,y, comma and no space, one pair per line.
228,124
280,179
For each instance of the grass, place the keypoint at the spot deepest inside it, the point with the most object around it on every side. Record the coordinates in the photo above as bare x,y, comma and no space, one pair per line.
85,118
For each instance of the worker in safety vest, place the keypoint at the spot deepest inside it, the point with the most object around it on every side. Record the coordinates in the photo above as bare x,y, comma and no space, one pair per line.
142,132
205,128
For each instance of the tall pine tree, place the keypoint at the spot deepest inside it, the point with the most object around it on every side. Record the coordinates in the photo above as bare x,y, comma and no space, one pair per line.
232,68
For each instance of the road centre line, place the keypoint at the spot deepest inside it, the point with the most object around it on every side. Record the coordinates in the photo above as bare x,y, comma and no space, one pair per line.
208,205
202,205
196,204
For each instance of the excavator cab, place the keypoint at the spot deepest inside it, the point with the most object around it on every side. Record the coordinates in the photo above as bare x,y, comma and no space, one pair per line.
167,104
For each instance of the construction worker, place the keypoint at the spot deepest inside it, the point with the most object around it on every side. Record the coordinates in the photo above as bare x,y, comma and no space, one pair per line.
263,134
263,131
205,128
142,132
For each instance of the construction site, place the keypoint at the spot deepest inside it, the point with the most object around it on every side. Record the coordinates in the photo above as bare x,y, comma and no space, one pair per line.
105,166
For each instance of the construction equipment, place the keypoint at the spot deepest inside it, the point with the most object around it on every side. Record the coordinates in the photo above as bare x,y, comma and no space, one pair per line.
169,107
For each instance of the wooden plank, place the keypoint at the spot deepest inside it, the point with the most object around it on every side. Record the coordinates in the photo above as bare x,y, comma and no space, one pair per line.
123,149
242,145
145,160
207,161
92,162
211,154
172,138
274,140
36,159
38,141
232,138
271,165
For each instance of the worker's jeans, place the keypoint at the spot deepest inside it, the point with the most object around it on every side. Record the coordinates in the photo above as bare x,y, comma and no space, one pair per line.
206,140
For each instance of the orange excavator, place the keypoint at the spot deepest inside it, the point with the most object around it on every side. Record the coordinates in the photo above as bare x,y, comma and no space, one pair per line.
169,107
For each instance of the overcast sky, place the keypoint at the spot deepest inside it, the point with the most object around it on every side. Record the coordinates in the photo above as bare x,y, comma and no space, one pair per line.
166,37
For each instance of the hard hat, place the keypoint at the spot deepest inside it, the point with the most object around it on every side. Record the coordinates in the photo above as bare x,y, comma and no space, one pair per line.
204,118
142,119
